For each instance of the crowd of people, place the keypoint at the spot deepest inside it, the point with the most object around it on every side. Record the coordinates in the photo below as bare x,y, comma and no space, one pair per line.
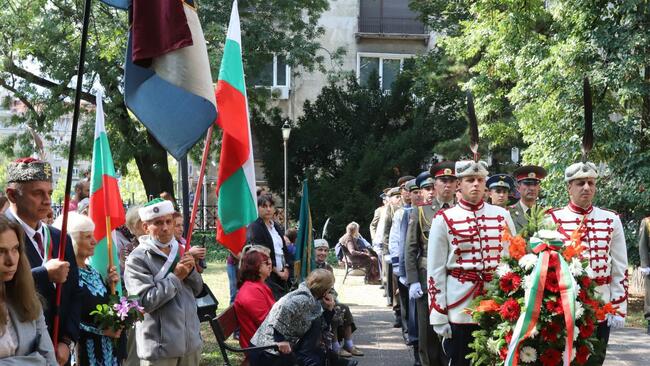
439,237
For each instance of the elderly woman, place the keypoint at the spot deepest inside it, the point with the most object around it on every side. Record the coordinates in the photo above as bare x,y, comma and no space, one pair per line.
24,339
268,233
254,298
295,324
96,346
359,253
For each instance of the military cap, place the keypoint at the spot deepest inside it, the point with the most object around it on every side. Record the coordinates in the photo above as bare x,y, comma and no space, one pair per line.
580,170
501,180
421,177
155,208
411,186
28,170
393,192
529,172
443,169
404,179
470,168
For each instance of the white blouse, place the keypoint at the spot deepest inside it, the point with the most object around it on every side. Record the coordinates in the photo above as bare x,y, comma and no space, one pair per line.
8,339
278,243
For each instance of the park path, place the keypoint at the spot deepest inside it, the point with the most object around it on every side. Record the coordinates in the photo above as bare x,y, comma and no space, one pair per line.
383,344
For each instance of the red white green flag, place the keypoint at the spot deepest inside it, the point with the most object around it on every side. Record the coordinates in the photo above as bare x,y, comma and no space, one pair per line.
105,208
236,178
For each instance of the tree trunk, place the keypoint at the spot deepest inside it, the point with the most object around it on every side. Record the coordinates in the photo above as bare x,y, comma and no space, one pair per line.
645,112
154,170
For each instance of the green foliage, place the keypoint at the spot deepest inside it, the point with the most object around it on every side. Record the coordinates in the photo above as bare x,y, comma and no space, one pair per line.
39,55
526,61
353,141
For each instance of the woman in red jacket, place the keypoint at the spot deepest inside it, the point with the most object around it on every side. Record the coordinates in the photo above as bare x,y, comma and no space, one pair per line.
254,298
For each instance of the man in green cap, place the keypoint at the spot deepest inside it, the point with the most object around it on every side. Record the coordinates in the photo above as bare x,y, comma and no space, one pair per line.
166,285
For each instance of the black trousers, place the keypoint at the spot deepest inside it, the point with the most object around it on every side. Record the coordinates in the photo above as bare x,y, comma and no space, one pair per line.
306,352
457,348
602,333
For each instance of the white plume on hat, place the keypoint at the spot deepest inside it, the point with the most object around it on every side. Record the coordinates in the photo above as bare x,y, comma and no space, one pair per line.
470,168
580,170
77,223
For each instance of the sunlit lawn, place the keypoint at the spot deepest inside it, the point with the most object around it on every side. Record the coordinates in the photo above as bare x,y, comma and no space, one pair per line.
216,278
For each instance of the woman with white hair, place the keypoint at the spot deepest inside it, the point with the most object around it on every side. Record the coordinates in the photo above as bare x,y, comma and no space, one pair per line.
96,346
359,253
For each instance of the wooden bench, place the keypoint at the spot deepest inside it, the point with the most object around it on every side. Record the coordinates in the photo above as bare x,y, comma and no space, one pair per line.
223,325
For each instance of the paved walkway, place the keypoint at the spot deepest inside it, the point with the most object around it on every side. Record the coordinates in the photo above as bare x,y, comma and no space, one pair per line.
383,344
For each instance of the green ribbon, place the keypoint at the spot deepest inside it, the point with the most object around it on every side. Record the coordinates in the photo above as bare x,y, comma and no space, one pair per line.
528,319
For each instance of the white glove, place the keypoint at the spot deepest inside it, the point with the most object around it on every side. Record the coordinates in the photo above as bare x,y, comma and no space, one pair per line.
402,280
645,271
615,321
443,330
415,290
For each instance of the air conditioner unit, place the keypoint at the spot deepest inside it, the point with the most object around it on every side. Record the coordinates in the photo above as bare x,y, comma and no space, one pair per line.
280,92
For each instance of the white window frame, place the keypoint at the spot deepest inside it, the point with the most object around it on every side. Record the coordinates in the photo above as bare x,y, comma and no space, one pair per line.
275,75
382,57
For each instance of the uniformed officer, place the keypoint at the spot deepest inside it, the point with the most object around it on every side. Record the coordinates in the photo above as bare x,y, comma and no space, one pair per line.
463,251
528,180
602,234
500,186
644,256
377,215
442,182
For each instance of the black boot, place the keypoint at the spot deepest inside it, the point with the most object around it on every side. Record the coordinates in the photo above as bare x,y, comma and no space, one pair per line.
648,327
416,355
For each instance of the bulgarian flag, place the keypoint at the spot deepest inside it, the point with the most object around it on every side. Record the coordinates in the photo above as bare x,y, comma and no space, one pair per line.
236,177
105,208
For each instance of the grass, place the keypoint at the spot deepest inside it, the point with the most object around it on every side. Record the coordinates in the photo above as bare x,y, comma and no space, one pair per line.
216,278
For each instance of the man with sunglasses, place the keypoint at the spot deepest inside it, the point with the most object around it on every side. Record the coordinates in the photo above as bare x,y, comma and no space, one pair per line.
601,232
528,179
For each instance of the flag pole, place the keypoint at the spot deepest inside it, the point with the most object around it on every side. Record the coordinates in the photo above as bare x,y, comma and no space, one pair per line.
71,155
195,205
109,246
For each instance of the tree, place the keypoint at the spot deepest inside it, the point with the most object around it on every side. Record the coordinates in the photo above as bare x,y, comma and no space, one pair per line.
39,53
527,60
354,141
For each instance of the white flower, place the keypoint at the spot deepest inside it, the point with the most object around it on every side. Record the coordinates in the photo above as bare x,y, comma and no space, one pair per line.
580,310
576,267
576,332
493,345
534,332
528,354
548,235
503,269
528,261
528,282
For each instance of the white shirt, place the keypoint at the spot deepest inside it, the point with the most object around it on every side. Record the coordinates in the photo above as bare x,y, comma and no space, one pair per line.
277,246
31,232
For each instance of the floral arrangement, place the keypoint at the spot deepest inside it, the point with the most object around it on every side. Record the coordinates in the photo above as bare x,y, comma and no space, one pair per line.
120,313
541,295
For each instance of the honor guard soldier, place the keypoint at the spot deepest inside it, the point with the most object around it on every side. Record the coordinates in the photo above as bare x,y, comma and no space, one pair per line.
442,181
602,234
377,215
500,186
528,179
644,256
464,249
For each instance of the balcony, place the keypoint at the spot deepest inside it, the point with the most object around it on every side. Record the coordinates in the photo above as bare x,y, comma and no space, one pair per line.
389,19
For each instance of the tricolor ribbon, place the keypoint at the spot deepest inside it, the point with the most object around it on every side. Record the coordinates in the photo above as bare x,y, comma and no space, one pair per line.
528,319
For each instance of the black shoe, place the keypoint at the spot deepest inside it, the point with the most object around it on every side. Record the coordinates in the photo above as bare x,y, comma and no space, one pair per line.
416,356
649,329
382,287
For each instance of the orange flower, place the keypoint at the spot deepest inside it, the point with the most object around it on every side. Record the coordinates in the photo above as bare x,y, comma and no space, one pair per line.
486,306
517,247
601,313
507,235
573,250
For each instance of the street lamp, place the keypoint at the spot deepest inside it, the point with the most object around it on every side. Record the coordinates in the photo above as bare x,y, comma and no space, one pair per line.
286,131
514,155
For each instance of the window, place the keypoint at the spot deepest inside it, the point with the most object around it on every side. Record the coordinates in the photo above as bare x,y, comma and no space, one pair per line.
275,73
387,67
389,16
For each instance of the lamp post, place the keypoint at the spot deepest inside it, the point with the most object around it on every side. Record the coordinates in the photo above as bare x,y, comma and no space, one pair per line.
286,131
